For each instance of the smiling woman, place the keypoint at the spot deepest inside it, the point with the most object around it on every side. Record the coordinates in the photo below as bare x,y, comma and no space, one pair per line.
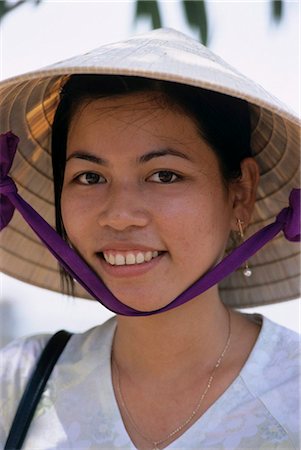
160,159
140,154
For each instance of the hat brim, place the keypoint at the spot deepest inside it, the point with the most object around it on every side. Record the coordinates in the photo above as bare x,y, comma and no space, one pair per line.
27,107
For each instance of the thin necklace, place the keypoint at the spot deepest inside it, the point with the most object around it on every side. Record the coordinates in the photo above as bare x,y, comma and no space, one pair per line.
177,430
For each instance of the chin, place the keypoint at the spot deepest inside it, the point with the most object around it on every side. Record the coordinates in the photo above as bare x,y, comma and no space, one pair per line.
140,301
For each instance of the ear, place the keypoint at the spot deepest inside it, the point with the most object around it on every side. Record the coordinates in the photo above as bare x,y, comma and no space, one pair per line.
243,192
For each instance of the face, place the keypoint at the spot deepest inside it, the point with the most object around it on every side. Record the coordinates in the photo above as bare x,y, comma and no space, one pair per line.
143,200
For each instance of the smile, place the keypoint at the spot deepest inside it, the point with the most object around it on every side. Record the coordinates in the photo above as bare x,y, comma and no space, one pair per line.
129,257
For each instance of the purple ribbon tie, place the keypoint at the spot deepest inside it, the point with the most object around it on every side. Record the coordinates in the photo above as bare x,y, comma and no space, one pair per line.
290,217
8,147
287,220
7,186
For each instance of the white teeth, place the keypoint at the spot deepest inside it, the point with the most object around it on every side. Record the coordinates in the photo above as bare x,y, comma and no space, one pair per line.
129,258
119,260
140,258
148,256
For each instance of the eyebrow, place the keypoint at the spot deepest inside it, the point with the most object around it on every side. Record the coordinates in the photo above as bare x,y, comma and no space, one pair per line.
88,157
140,160
163,152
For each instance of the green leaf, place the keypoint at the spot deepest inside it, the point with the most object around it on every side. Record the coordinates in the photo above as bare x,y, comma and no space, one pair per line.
2,8
149,8
196,15
277,10
6,7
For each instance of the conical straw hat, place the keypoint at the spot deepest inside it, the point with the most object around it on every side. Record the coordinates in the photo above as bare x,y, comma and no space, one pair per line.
27,107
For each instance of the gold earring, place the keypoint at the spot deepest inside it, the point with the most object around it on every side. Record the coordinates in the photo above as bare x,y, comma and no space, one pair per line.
246,270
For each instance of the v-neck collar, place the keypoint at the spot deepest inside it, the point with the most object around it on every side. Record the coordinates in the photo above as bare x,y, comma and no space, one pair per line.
226,402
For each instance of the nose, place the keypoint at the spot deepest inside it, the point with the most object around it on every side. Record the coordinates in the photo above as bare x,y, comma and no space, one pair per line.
124,207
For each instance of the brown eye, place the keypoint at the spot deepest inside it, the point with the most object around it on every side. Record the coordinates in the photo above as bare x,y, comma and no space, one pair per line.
165,176
90,178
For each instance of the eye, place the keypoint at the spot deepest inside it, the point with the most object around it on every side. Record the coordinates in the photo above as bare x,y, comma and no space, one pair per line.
165,177
90,178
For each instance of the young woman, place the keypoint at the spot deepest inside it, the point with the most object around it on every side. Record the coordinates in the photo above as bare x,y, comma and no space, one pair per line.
156,178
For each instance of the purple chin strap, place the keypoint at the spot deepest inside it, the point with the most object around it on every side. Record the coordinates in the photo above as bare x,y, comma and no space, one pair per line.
288,221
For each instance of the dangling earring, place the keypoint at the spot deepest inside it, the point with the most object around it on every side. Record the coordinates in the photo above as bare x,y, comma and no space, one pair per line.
246,270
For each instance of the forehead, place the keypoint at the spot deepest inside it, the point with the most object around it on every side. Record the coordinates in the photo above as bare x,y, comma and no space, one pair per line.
148,114
127,129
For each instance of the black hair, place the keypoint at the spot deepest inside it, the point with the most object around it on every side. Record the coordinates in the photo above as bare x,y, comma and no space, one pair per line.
223,122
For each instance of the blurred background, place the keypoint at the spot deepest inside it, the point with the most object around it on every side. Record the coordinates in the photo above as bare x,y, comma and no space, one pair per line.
259,38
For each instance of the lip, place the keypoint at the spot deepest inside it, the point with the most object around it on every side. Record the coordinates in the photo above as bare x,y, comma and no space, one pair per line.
132,270
126,246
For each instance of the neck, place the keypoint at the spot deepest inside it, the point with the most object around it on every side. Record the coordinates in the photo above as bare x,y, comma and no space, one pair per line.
175,341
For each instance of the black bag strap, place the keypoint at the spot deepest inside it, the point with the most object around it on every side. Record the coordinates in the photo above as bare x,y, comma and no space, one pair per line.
35,388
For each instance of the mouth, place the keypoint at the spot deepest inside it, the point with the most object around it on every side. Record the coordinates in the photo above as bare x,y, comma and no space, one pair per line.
128,258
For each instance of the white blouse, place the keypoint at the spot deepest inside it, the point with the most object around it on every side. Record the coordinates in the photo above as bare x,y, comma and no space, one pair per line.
78,410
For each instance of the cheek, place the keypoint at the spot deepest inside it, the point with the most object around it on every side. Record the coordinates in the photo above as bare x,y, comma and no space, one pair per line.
75,216
203,227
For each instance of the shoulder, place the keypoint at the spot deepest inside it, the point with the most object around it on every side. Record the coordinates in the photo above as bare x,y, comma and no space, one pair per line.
17,361
19,358
271,376
276,351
